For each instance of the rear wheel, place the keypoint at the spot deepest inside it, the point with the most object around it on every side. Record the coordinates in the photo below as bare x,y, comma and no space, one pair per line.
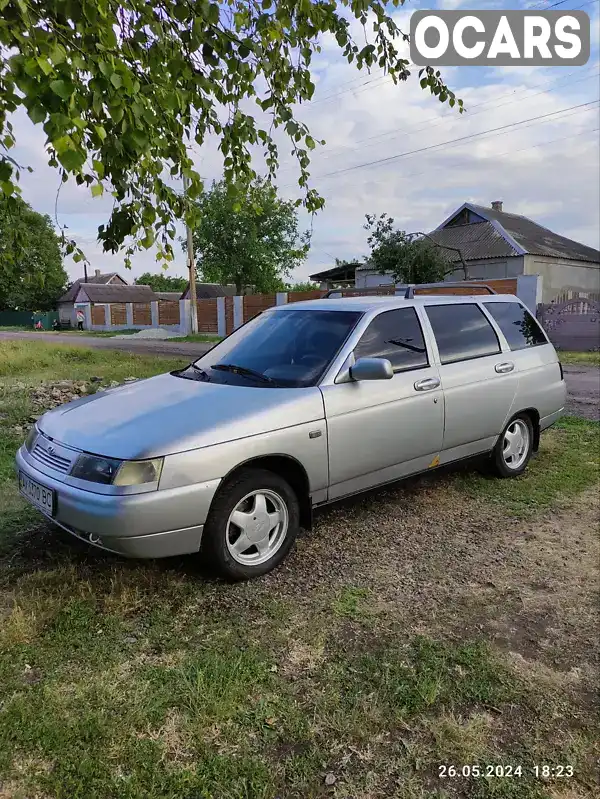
514,447
252,524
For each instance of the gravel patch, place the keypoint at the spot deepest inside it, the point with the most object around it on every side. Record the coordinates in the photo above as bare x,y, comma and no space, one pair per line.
156,333
583,383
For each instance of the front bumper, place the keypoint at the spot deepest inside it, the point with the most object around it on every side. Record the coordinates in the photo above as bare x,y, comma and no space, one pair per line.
149,525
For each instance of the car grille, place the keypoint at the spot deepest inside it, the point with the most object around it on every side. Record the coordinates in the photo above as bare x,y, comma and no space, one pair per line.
51,459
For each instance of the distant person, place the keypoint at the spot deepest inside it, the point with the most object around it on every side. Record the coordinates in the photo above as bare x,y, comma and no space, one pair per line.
80,318
39,325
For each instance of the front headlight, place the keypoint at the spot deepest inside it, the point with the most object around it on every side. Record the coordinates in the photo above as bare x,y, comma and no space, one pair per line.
133,473
31,438
95,468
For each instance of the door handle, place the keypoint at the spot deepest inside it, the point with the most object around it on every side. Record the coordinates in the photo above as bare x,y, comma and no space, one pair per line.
502,368
427,384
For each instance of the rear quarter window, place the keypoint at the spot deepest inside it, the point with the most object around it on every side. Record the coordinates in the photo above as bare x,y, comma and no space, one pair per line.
520,328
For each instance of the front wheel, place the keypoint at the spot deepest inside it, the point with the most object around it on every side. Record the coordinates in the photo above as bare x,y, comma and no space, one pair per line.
252,524
514,447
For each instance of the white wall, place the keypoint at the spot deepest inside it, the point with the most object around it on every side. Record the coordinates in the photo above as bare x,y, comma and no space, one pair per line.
560,276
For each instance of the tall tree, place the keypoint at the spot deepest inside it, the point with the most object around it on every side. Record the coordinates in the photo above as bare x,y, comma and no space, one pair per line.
160,282
307,286
123,87
32,276
248,237
408,257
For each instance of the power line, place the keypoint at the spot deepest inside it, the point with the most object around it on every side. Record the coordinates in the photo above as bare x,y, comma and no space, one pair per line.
508,152
454,141
408,131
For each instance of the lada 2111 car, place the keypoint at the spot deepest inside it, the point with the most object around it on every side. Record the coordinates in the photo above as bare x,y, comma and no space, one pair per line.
306,403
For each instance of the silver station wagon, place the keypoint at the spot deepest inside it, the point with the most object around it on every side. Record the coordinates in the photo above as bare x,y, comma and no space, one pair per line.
306,403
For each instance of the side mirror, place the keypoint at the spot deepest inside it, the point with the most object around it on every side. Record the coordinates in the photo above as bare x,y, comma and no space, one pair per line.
371,369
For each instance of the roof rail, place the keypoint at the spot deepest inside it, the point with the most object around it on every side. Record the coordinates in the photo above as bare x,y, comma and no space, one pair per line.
410,290
365,292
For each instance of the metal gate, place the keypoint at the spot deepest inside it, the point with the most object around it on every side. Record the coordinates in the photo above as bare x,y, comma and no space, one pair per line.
573,324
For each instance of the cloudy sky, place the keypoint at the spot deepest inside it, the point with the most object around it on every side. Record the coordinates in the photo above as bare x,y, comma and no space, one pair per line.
394,149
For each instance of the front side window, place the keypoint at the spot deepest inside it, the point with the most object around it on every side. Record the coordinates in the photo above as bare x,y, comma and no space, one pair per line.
520,329
284,348
397,336
462,332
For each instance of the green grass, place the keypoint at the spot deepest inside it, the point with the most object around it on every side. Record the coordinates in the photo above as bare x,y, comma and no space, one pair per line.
567,464
201,337
143,680
590,358
25,364
17,328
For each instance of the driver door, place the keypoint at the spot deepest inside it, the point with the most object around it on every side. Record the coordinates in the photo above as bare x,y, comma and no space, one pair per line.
382,430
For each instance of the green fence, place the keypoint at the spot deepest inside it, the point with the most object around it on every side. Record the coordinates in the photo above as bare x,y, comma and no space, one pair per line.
16,319
46,318
27,319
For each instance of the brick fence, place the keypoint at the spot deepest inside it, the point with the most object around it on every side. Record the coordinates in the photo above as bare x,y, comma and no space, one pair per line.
223,315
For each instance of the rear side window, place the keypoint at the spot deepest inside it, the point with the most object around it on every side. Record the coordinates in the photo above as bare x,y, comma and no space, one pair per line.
397,336
462,332
518,325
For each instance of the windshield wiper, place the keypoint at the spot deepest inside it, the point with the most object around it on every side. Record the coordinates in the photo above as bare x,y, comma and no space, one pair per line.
243,370
403,342
202,374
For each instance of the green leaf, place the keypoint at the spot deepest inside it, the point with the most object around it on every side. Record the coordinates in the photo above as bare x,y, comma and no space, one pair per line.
37,114
72,160
98,167
213,14
44,65
116,80
60,88
97,190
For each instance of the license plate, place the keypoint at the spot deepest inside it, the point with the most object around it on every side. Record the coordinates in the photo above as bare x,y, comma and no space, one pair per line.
37,494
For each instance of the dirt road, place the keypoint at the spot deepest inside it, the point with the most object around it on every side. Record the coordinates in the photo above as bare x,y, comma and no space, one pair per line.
128,344
584,390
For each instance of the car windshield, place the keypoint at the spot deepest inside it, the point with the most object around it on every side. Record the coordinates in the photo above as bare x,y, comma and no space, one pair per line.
286,348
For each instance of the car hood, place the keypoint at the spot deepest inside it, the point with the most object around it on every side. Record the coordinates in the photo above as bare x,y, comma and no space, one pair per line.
167,414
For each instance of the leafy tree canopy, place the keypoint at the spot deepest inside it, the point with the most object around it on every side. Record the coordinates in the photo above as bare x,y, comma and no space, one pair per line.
307,286
408,257
162,282
249,238
122,88
32,276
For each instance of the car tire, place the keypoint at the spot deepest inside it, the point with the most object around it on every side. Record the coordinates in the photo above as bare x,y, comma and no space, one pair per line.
514,447
252,524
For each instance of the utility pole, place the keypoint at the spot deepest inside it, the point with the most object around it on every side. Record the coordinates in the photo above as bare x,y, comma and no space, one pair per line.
192,271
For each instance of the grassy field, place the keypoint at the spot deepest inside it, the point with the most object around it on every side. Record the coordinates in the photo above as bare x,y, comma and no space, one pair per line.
590,358
450,621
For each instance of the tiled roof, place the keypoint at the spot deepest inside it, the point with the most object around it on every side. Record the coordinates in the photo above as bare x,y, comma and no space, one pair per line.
71,293
169,296
475,241
208,291
538,240
118,293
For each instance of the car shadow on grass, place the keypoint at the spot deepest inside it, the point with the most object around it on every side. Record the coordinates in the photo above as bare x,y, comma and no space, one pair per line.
46,546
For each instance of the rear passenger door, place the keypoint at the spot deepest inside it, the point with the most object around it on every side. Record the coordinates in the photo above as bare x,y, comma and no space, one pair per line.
479,381
381,430
540,383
